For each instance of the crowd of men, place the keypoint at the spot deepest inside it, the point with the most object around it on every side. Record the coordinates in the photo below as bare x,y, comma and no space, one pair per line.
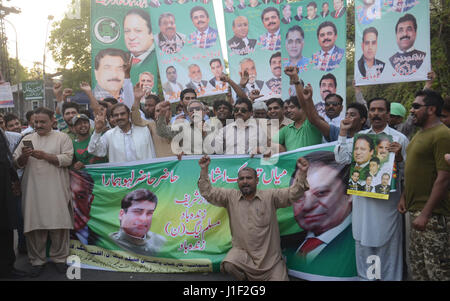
36,196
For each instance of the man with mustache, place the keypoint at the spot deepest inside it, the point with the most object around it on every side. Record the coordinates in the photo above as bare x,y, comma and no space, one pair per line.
408,60
271,40
110,73
377,226
240,43
255,254
200,85
330,55
46,198
205,36
327,85
135,216
169,40
274,84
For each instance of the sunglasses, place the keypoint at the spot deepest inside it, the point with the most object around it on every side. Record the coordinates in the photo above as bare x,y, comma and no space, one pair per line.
417,106
243,110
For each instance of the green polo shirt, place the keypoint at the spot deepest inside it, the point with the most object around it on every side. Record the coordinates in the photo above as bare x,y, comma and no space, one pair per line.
293,138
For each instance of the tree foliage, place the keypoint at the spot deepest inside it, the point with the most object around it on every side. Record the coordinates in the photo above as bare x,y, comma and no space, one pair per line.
70,45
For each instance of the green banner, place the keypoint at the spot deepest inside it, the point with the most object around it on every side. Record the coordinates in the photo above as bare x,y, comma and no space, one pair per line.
314,40
188,48
392,41
254,44
121,29
33,90
184,233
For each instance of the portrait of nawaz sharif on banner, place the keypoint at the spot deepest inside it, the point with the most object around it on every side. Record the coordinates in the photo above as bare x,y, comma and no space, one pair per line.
371,170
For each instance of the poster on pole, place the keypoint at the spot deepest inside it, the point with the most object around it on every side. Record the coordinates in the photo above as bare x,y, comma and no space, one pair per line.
33,90
254,44
149,216
392,41
188,48
120,30
314,40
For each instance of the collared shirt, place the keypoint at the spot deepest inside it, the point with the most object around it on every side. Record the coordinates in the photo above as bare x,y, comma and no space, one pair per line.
126,93
373,222
292,137
143,56
323,58
326,237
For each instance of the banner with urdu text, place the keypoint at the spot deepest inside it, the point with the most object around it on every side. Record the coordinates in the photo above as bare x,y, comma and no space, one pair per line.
120,30
188,48
178,231
392,41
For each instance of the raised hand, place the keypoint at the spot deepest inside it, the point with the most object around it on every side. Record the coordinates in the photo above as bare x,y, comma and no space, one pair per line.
204,162
244,78
302,165
292,72
66,93
138,91
58,91
100,121
254,94
85,87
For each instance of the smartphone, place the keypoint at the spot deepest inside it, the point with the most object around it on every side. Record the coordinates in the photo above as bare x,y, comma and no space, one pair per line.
28,143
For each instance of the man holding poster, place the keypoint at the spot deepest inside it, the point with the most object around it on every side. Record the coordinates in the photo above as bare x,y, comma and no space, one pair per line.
377,225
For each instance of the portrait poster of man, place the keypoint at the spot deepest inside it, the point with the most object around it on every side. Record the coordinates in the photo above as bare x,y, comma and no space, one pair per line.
118,34
149,216
316,45
392,41
371,172
187,40
253,40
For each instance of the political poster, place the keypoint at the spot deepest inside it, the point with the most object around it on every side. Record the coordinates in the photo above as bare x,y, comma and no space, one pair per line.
177,230
254,44
33,90
392,41
372,166
188,48
6,96
120,30
314,40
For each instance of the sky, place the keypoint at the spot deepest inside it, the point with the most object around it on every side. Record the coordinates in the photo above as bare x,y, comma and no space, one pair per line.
31,26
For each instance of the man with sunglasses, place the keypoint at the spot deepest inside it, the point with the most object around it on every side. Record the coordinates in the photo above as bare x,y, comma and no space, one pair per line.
426,197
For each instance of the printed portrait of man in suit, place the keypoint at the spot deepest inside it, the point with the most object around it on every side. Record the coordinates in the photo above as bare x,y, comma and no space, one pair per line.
271,40
205,36
330,55
240,43
408,60
369,67
169,40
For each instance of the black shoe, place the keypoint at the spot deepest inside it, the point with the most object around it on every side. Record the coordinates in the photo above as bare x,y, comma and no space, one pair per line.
36,271
14,274
61,267
23,249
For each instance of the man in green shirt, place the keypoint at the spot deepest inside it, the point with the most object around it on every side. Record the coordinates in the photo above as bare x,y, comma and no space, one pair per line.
81,127
301,132
426,195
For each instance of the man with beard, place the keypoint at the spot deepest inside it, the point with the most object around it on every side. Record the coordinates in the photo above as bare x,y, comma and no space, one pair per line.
135,216
169,40
377,226
408,60
150,103
271,40
255,254
426,197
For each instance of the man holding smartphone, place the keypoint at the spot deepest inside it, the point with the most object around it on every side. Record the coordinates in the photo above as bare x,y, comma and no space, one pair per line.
45,157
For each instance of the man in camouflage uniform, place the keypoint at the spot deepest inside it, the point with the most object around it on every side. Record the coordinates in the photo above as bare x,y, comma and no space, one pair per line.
426,195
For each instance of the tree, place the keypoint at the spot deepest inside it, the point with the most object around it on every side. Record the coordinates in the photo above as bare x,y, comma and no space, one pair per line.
70,46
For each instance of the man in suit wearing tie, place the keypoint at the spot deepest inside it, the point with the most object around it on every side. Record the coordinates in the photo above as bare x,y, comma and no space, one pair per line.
384,187
330,55
286,14
271,40
241,4
353,184
248,65
240,43
229,8
325,10
299,15
200,86
217,70
367,187
138,36
368,65
172,88
205,36
324,213
339,9
311,11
